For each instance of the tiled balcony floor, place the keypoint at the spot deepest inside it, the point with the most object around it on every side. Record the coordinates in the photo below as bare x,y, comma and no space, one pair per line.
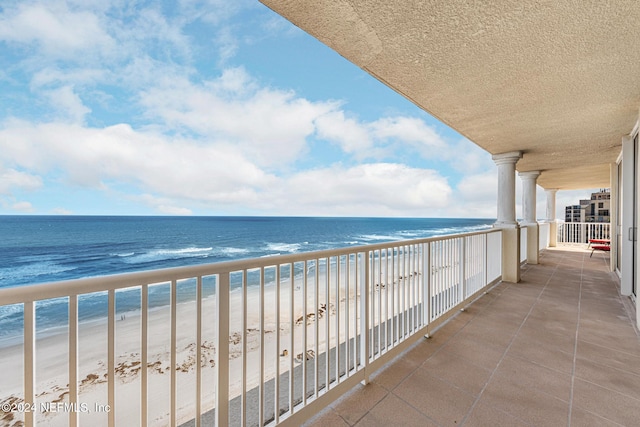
557,349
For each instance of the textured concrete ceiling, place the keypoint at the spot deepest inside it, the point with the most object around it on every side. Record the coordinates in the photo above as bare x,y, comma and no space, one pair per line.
558,80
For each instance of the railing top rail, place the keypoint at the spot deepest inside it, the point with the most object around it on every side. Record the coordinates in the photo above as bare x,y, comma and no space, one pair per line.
42,291
588,223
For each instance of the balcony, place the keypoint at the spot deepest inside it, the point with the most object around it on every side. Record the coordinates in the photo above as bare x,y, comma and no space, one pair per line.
326,323
558,348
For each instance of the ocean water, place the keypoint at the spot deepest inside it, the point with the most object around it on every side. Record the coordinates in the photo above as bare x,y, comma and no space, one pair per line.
41,249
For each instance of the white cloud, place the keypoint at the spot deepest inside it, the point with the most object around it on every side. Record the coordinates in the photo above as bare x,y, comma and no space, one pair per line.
376,189
68,104
352,136
467,158
174,175
23,207
408,130
55,76
61,211
173,167
476,196
55,29
483,186
382,137
163,205
269,125
227,45
11,179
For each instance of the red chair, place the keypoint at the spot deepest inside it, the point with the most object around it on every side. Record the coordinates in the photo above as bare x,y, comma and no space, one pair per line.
605,248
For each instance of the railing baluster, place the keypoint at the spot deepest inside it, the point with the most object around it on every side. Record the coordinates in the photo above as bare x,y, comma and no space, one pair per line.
387,317
222,355
277,331
462,273
452,273
316,303
304,333
375,288
401,292
111,358
420,287
427,283
29,361
245,312
144,360
173,409
327,328
73,359
380,282
414,281
364,317
198,351
485,259
291,337
262,353
347,319
337,330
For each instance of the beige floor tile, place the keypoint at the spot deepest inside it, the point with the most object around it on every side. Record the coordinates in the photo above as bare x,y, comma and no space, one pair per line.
608,357
610,378
458,371
582,418
606,403
533,406
394,374
441,401
327,418
392,411
476,351
484,416
543,353
359,402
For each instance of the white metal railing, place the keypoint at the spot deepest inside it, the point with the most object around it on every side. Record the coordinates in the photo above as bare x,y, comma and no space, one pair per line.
581,232
544,228
278,337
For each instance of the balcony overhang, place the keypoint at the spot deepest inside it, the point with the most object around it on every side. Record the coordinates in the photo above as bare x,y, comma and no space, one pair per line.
556,80
592,176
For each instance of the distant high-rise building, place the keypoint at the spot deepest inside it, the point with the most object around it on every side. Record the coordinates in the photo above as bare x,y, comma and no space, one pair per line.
573,213
595,209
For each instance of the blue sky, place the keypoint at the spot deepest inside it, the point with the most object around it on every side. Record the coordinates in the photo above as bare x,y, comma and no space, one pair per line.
214,108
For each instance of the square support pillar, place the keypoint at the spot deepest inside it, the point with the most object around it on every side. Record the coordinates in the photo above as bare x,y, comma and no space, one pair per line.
533,243
510,253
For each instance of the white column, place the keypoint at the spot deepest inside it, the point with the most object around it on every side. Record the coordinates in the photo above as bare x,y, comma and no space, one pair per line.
506,163
506,220
529,196
551,216
529,214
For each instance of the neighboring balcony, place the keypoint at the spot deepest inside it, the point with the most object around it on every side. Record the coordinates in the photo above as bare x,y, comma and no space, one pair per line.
583,232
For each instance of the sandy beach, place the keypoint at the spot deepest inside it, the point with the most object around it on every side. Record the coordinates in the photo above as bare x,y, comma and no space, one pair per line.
52,362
